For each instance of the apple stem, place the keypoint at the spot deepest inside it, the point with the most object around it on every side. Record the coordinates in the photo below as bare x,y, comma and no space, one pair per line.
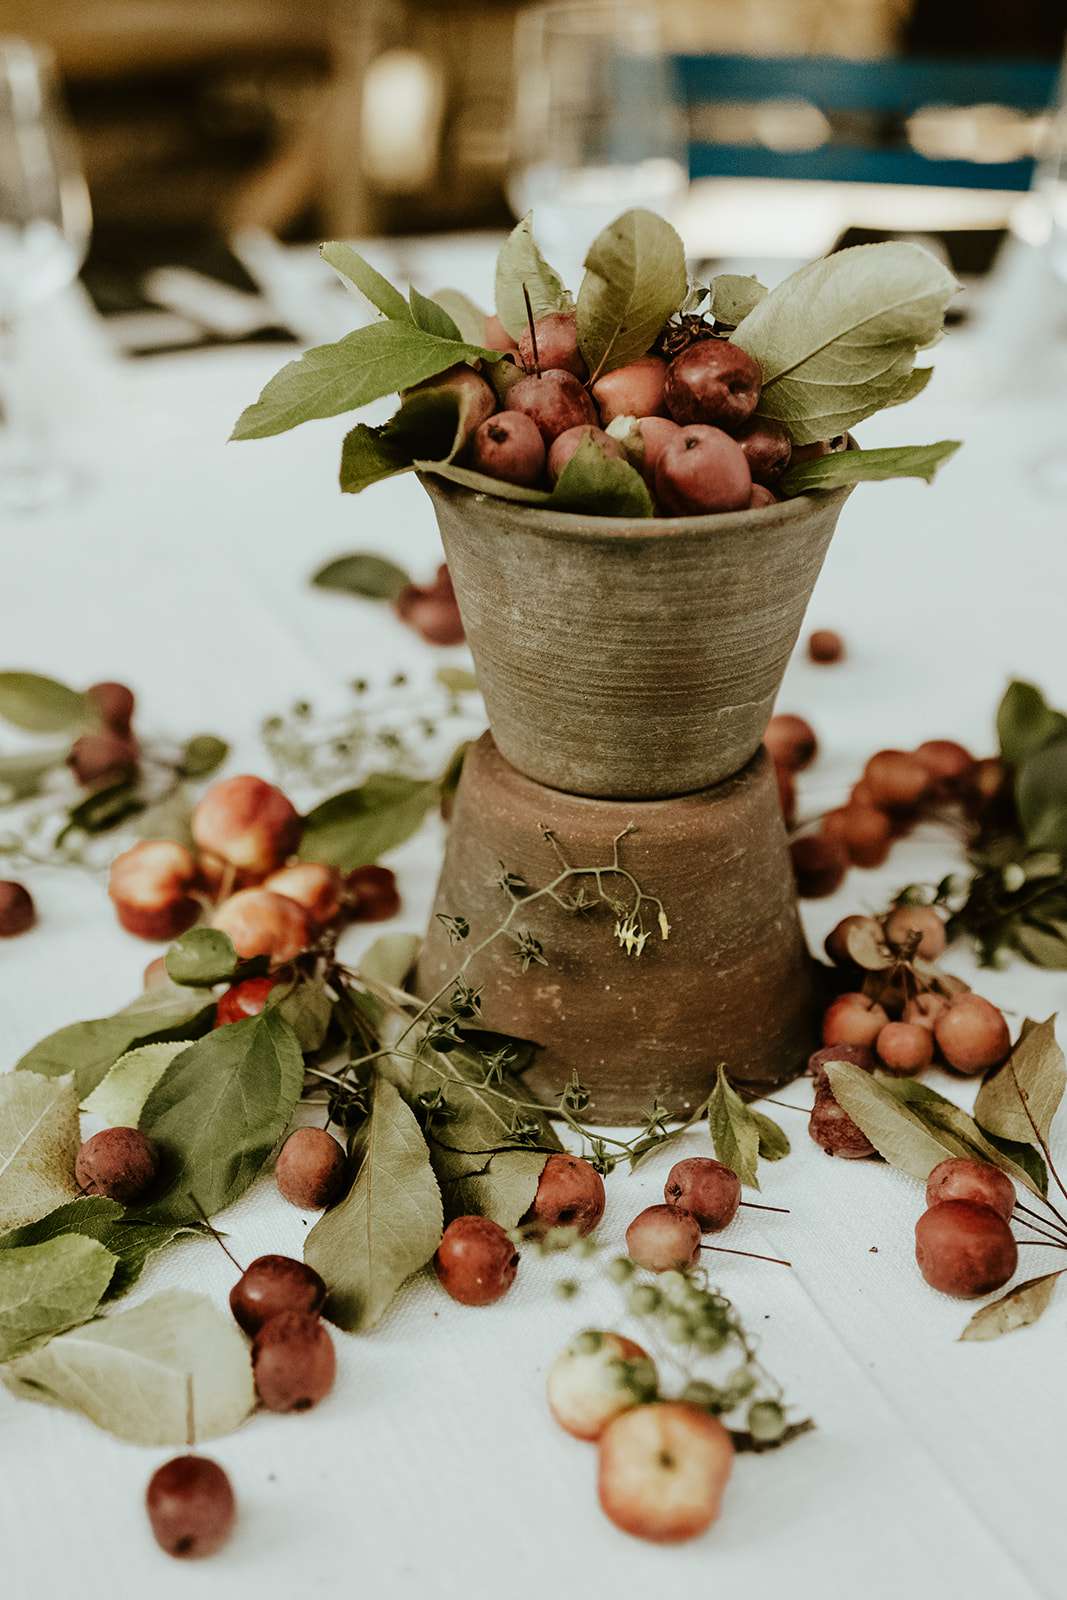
724,1250
533,330
754,1205
215,1234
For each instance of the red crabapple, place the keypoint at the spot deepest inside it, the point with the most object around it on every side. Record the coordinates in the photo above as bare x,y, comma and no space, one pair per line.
947,762
476,397
557,345
243,1000
476,1262
836,943
246,823
152,886
663,1238
635,390
853,1019
862,794
191,1506
310,1168
761,496
787,794
555,401
767,447
834,1131
866,835
644,440
17,910
120,1163
270,1285
102,758
497,336
113,704
663,1469
595,1379
905,1047
509,447
567,444
924,1009
371,894
432,610
986,788
977,1181
857,1055
972,1034
790,742
708,1190
905,922
293,1361
261,923
832,825
713,381
896,780
811,452
964,1249
819,865
155,974
315,887
702,470
825,646
570,1194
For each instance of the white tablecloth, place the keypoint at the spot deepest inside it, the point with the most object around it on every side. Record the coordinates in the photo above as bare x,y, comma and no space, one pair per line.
434,1468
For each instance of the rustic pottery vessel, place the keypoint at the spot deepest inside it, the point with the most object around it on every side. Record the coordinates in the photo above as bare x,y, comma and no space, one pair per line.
625,658
733,983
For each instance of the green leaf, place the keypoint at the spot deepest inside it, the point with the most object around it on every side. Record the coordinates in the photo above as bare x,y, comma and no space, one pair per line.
432,318
39,1139
595,482
481,483
357,273
950,1122
387,1226
735,1133
1034,1070
355,828
361,367
119,1097
1043,943
863,466
837,340
1041,797
390,958
103,809
521,263
469,318
93,1217
1021,1306
200,958
308,1010
732,296
1026,723
635,278
896,1132
90,1049
171,1371
430,422
457,680
47,1288
773,1140
371,576
21,775
41,705
203,754
1025,1156
218,1111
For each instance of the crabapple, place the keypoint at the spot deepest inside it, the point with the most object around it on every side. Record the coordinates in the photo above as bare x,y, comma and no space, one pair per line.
371,894
663,1238
476,1262
825,646
293,1361
151,885
713,381
644,440
964,1249
570,1194
595,1378
832,825
635,390
905,922
102,758
905,1047
819,865
987,787
896,780
836,943
509,447
113,704
17,910
857,1055
270,1285
247,823
243,1000
924,1009
708,1190
761,496
315,887
790,742
663,1469
475,396
977,1181
972,1034
120,1163
557,345
861,794
702,470
866,834
834,1130
787,794
947,762
555,401
497,336
767,447
310,1168
261,923
566,445
155,974
432,610
853,1019
191,1506
811,452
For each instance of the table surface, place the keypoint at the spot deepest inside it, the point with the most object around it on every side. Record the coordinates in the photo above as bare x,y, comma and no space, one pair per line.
434,1467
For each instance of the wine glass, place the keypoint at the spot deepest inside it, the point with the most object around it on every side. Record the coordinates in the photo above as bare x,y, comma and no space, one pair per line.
598,123
45,222
1050,188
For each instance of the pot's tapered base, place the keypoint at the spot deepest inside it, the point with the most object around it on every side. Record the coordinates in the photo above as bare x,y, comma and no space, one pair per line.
733,983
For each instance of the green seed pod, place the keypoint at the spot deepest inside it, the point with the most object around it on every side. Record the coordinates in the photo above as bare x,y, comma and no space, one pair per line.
766,1421
621,1270
644,1300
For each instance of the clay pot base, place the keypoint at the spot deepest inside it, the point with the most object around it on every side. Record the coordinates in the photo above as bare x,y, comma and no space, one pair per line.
732,984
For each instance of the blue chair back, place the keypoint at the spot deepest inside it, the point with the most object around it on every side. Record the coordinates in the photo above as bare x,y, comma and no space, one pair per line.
876,96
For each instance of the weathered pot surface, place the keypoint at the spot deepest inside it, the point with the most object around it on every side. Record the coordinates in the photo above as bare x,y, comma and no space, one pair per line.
733,983
631,658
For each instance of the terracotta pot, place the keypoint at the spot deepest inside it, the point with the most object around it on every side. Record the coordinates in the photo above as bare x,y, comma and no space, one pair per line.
732,983
631,659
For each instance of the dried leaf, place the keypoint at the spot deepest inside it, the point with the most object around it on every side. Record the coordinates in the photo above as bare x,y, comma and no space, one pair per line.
735,1133
1021,1306
39,1139
47,1288
896,1132
1035,1071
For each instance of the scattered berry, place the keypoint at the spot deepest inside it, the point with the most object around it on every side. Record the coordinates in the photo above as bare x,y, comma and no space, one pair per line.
964,1249
896,780
866,835
17,911
476,1261
317,888
948,763
819,865
663,1469
708,1190
293,1361
663,1239
834,1130
121,1163
102,758
924,1009
826,647
371,894
570,1194
836,945
433,611
191,1506
273,1284
113,704
790,742
977,1181
310,1168
595,1379
857,1055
